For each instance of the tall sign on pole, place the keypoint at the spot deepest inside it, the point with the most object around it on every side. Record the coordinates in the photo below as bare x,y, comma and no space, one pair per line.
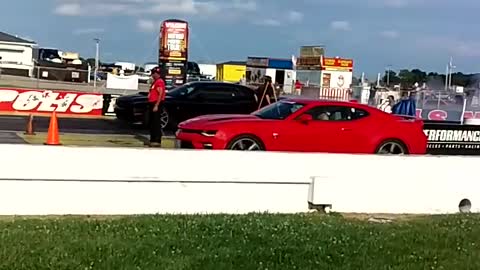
173,51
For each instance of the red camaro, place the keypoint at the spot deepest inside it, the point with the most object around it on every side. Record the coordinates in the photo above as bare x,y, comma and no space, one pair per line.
307,126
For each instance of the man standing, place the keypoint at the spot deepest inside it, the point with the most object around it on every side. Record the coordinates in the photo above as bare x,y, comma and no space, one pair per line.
156,96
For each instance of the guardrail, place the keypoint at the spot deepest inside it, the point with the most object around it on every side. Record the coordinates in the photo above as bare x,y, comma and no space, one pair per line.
110,181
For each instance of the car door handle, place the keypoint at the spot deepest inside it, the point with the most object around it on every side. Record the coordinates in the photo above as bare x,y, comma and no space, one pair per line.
346,129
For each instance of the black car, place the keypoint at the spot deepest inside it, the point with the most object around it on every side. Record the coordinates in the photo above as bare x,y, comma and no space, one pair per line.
190,100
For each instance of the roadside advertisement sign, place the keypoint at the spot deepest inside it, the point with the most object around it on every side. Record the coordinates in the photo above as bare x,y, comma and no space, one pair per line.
45,101
452,139
174,41
337,63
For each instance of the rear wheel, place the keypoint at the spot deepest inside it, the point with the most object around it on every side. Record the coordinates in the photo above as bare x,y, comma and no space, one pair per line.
245,143
392,147
164,118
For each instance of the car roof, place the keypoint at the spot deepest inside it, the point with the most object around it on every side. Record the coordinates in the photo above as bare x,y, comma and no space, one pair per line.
210,82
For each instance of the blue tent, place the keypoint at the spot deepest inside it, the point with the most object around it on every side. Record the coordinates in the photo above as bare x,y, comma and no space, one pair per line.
405,106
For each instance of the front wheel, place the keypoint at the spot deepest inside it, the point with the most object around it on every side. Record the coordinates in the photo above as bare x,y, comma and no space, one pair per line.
246,143
391,147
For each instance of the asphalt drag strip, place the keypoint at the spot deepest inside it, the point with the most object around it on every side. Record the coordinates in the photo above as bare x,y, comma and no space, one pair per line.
71,125
10,137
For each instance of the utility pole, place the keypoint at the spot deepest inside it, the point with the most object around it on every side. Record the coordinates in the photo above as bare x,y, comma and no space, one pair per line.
450,68
97,55
389,67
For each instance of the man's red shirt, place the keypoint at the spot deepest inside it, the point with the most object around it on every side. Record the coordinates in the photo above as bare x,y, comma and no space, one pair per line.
153,95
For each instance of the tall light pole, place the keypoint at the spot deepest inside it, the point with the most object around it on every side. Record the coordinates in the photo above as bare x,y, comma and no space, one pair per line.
451,67
97,52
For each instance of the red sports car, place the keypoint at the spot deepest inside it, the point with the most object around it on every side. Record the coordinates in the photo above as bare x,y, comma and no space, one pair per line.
303,125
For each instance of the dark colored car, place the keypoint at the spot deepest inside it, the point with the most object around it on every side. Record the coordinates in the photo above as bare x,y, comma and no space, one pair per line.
190,100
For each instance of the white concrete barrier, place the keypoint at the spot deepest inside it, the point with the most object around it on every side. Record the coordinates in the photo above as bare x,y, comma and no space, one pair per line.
43,180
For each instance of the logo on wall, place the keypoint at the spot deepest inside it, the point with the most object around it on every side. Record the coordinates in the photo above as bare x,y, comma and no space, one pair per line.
340,81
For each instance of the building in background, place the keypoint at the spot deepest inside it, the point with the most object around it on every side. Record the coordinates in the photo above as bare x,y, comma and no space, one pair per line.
324,77
232,71
56,65
208,70
336,78
280,70
16,55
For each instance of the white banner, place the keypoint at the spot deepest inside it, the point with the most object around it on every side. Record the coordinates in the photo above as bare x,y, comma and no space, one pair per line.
122,82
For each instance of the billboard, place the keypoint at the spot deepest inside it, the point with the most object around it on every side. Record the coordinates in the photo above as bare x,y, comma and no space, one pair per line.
174,72
174,40
14,100
337,63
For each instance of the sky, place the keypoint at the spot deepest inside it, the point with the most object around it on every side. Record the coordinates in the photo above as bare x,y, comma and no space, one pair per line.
376,34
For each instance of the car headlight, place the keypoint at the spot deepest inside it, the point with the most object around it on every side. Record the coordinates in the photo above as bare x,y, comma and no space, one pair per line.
208,133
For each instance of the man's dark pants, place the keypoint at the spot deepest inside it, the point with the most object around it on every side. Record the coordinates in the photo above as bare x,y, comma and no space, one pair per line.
155,124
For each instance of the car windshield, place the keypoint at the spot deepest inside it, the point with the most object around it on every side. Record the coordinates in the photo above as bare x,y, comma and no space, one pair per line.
181,90
279,110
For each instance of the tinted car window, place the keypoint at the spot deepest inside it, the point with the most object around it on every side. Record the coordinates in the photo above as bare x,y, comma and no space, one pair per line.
245,92
336,113
182,90
278,110
215,92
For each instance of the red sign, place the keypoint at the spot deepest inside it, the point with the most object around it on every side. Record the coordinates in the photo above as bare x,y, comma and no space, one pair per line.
174,40
441,115
337,63
38,101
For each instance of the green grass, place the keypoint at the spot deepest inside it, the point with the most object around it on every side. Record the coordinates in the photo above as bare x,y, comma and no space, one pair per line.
239,242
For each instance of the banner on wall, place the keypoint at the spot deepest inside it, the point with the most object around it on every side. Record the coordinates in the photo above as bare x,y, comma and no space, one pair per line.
46,101
122,82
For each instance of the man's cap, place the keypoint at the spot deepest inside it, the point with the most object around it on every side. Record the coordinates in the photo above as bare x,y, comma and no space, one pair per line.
156,70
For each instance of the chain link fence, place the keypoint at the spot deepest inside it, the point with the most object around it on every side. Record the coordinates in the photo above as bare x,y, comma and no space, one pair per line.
70,79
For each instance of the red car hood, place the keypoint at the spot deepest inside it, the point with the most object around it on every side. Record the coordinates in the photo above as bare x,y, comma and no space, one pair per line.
206,120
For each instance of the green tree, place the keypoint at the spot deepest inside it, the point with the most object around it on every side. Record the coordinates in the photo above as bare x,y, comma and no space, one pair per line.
391,78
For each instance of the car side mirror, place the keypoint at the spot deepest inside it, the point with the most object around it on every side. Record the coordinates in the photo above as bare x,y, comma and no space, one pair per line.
305,118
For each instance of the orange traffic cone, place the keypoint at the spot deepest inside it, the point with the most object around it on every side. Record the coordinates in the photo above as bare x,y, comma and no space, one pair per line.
29,129
53,137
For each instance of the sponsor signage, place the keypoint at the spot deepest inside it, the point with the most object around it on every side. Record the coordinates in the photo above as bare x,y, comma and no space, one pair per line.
312,51
257,62
309,61
452,139
442,115
337,63
39,101
174,40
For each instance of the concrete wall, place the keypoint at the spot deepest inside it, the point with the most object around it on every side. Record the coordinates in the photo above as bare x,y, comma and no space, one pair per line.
42,180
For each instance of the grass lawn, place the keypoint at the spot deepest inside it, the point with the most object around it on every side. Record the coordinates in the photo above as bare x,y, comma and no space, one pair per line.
239,242
98,140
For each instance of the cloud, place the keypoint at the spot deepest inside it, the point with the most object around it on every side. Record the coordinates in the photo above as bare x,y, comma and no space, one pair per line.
340,26
390,34
295,16
268,22
153,7
68,9
452,46
86,31
248,5
147,25
396,3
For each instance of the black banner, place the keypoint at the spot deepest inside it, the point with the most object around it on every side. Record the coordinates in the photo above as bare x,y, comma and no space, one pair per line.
109,104
452,139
